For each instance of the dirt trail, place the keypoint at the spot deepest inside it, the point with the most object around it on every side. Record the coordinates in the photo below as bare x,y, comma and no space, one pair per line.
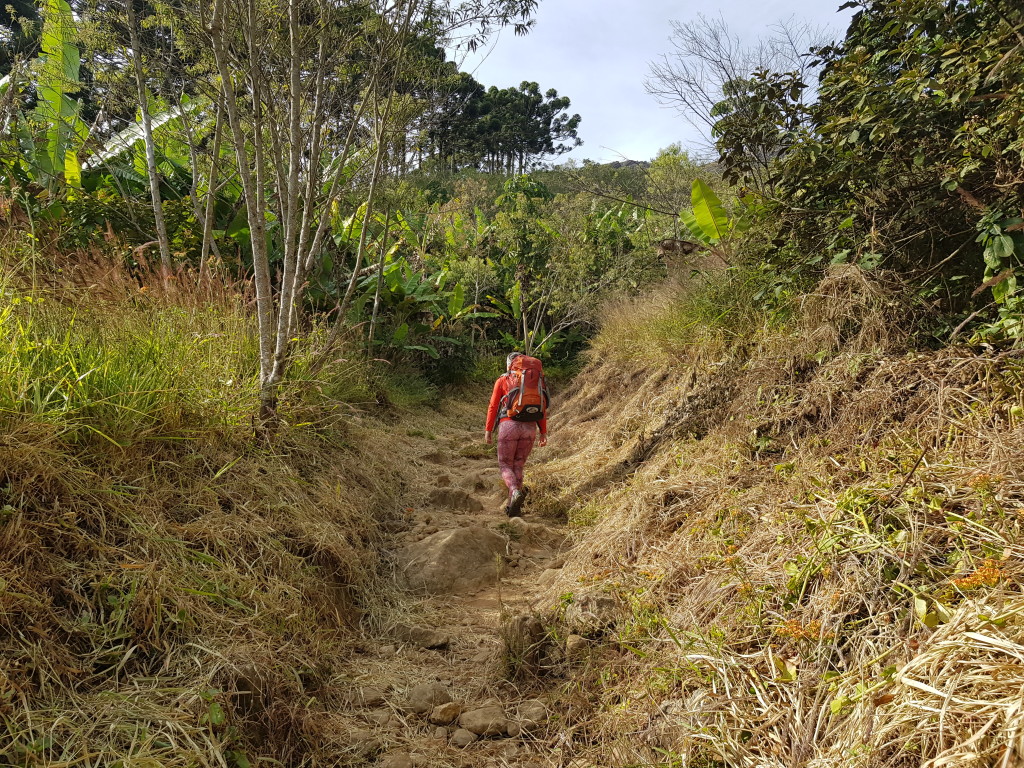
459,487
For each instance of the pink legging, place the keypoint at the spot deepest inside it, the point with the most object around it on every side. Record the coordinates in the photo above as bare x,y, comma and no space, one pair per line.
515,441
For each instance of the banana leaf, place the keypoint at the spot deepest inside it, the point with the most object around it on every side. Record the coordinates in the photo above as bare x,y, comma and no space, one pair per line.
709,212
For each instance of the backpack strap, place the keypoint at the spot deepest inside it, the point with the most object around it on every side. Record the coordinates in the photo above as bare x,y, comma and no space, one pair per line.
507,398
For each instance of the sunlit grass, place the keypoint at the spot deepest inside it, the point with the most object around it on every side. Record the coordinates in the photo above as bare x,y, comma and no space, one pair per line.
124,370
703,312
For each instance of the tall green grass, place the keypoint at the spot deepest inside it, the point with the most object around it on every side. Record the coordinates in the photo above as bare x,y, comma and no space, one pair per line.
128,366
124,370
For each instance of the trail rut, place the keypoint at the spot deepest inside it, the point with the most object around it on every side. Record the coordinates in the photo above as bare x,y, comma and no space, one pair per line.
459,488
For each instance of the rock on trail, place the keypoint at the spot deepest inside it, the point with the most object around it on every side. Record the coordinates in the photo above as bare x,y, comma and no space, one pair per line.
452,562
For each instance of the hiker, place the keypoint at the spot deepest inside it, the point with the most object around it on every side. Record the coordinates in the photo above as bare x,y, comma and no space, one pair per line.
518,405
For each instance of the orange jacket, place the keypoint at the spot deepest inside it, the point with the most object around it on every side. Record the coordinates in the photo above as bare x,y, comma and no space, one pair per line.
501,388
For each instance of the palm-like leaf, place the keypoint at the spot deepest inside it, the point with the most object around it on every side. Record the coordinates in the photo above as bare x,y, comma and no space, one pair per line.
709,213
58,77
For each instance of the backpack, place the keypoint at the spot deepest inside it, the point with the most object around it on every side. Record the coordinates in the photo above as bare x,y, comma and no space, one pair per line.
527,400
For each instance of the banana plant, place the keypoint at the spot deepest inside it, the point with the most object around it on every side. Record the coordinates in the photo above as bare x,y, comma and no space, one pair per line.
53,134
468,235
131,138
417,229
707,221
424,311
58,79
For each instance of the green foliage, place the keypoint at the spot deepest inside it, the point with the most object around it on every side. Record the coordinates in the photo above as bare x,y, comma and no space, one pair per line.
58,79
20,25
911,158
124,372
695,317
708,221
50,136
500,130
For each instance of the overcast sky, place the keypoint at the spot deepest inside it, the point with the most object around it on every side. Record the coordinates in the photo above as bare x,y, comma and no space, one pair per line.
597,53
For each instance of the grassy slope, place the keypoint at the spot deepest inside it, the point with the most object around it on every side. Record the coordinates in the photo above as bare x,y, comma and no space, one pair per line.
173,591
812,537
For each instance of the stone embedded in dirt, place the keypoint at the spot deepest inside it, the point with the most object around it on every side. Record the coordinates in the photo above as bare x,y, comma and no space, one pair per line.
534,538
368,696
525,639
486,721
388,650
513,729
424,697
533,714
445,714
442,481
365,743
453,561
423,637
576,646
591,613
454,498
510,749
379,717
478,481
396,760
557,563
441,734
463,738
533,709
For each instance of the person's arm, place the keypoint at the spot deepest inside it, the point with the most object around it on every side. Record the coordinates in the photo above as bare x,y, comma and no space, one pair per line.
543,423
492,408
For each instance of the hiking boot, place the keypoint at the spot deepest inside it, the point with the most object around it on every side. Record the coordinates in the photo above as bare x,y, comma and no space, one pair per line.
515,503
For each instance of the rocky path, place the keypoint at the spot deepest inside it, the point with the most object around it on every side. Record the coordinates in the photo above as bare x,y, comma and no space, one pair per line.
431,687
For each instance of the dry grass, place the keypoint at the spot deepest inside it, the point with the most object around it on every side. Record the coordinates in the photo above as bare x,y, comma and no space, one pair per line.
174,591
815,548
178,604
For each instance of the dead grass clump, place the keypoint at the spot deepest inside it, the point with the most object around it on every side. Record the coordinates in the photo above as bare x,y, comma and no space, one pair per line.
819,553
855,311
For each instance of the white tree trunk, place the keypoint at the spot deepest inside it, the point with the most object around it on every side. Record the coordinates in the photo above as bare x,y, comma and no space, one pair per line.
147,133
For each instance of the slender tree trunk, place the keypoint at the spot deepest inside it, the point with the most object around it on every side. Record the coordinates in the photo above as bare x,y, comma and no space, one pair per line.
290,209
251,179
147,133
204,213
209,243
380,281
382,122
370,199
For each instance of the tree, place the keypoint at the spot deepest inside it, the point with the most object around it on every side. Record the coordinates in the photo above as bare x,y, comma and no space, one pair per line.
708,63
147,132
911,158
506,130
20,26
300,139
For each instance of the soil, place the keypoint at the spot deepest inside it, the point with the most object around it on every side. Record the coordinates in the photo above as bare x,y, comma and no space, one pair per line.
459,487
